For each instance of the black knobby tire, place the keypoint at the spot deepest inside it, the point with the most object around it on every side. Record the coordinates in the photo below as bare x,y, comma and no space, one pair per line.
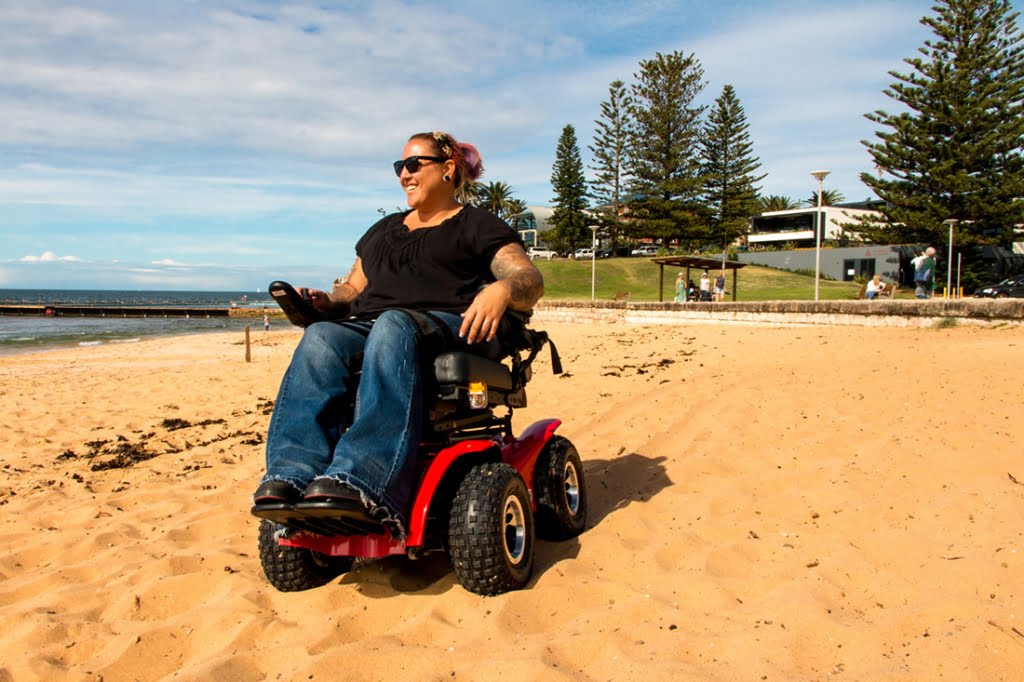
293,569
561,491
490,530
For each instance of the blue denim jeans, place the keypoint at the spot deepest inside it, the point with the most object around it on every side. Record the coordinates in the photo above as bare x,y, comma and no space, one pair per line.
373,448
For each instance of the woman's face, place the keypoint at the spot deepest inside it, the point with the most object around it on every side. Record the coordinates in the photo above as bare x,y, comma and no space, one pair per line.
426,186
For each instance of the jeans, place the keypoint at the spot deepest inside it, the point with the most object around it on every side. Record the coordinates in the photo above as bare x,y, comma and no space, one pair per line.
372,448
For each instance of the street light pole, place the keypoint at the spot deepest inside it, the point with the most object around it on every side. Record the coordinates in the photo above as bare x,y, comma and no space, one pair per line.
593,261
949,266
820,175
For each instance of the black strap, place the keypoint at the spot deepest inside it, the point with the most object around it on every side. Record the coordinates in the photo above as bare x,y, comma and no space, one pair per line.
536,341
556,362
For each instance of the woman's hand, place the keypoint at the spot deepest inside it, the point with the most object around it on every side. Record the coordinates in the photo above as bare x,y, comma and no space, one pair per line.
321,300
480,321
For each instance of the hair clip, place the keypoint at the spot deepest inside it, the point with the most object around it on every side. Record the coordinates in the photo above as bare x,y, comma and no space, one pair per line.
445,142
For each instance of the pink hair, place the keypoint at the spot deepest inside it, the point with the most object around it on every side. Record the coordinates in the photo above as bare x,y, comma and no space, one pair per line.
474,162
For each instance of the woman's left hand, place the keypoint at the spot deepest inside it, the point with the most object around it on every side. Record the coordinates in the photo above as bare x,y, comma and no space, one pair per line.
480,321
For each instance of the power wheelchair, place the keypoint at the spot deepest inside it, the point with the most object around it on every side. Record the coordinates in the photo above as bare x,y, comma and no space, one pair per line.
483,493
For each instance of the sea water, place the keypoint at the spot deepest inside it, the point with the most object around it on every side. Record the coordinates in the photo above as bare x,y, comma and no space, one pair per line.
30,333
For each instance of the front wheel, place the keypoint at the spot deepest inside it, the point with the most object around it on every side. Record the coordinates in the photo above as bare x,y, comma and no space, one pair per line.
490,530
561,491
293,569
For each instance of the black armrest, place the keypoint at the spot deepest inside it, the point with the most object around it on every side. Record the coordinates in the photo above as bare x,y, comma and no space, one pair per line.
461,368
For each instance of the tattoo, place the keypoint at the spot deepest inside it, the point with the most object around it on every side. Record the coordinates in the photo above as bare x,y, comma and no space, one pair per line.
343,293
512,266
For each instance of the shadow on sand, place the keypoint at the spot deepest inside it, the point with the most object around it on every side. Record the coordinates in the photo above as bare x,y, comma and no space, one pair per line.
612,484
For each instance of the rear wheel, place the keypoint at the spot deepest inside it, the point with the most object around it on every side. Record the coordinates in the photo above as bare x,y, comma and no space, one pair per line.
293,569
561,491
490,530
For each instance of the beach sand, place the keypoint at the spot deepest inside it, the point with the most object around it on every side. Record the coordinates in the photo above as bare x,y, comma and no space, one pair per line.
766,503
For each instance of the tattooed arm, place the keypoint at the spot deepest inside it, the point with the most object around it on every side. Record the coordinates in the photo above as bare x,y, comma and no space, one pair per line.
520,285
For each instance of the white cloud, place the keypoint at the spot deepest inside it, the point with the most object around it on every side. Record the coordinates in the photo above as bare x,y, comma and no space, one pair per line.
49,257
231,79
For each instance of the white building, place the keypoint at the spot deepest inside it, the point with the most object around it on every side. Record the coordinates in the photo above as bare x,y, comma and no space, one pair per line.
796,226
532,224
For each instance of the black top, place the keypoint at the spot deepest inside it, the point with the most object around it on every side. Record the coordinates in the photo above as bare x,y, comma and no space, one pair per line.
434,268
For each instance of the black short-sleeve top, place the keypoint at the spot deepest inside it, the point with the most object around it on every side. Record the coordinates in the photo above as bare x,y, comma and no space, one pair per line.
435,268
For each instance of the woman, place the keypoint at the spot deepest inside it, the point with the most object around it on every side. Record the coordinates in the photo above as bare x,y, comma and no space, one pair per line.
875,286
461,265
680,288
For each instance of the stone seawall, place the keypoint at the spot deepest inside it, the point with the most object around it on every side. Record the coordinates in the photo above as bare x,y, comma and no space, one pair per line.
885,313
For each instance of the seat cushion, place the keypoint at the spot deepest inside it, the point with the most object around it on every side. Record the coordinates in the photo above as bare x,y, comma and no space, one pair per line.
461,368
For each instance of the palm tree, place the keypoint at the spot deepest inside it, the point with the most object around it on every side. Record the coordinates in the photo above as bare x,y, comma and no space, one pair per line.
469,193
515,207
829,197
774,202
495,197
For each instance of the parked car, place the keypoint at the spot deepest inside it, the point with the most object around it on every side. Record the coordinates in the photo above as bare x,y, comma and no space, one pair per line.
1011,287
647,250
583,254
619,251
536,252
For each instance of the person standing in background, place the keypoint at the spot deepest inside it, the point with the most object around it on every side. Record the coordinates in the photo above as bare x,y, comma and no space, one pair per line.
720,286
705,287
924,275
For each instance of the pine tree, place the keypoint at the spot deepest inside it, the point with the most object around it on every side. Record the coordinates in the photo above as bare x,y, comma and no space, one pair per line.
609,151
728,168
663,162
570,200
955,152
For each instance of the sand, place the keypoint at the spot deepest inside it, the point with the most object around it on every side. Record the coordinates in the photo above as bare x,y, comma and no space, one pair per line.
765,504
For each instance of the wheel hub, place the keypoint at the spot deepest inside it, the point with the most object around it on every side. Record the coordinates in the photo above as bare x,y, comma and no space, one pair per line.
515,530
571,486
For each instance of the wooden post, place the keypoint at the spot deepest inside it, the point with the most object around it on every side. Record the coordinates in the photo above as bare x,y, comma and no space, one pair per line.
661,282
734,271
248,352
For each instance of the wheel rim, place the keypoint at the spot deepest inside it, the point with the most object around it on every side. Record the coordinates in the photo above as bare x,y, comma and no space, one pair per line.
571,485
515,529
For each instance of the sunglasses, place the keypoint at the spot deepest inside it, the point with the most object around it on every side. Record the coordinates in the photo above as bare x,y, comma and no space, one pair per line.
412,164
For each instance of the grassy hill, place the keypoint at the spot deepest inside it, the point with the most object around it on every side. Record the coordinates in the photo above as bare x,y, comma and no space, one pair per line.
570,280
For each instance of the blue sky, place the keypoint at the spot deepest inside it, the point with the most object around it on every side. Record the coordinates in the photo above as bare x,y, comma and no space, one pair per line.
221,144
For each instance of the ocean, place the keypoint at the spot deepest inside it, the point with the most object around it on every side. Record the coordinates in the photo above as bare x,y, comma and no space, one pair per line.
22,334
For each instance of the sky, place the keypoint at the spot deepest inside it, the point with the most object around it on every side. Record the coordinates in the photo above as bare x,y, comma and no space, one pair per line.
223,144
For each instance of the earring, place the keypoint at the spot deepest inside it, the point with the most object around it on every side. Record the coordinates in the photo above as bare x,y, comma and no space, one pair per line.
447,178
